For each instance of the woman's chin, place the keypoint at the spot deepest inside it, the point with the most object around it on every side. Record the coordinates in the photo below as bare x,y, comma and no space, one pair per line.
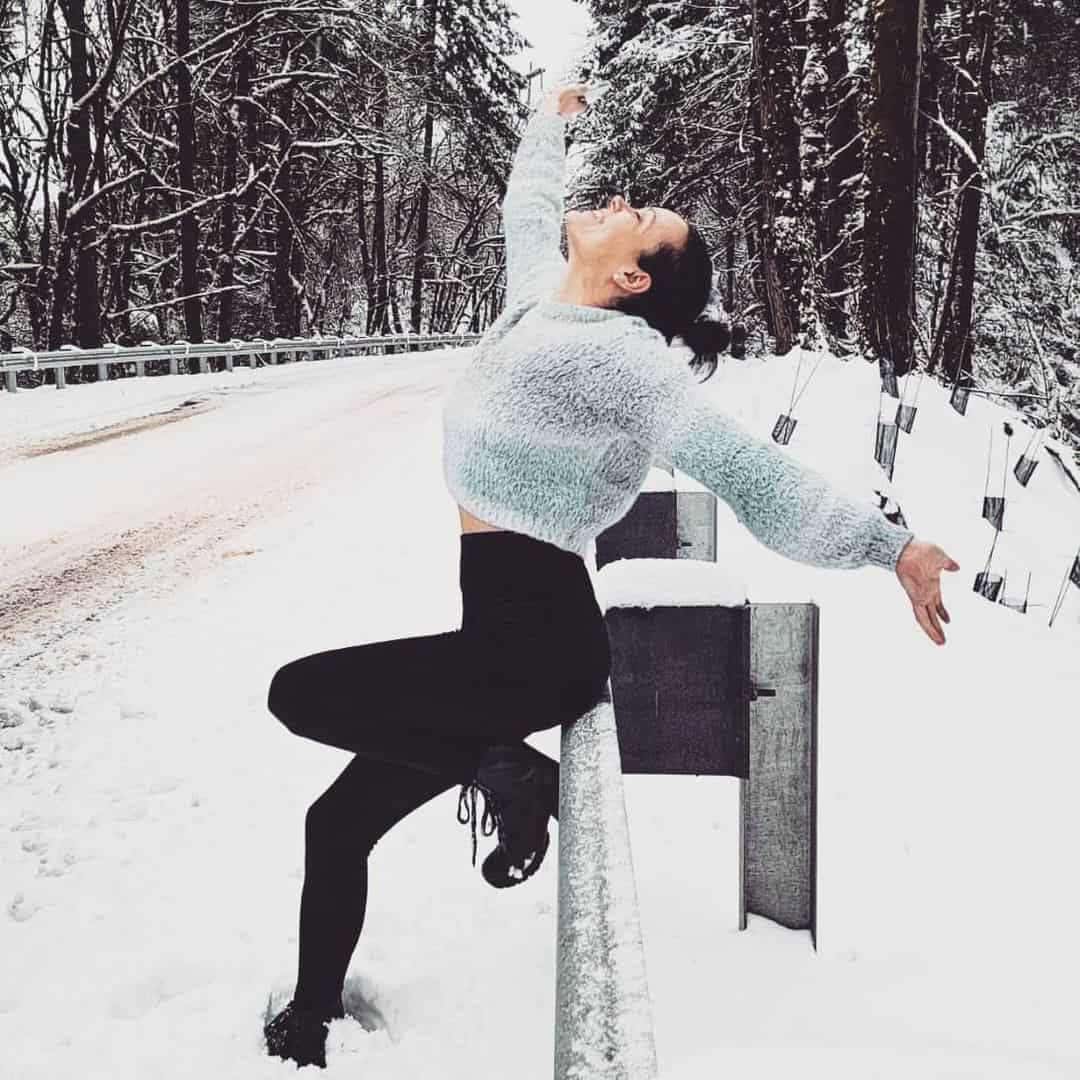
580,223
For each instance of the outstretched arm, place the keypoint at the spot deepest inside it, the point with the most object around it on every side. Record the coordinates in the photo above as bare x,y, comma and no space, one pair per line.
651,395
534,205
791,509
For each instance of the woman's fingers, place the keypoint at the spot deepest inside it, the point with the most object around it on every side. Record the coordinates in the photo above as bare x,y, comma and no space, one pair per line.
923,621
932,616
919,570
950,564
927,621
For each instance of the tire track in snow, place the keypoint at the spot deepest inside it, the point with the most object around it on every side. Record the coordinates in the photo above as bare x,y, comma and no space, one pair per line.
57,584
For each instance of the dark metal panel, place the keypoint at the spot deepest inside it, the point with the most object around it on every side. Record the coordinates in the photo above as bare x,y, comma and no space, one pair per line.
679,678
646,531
662,525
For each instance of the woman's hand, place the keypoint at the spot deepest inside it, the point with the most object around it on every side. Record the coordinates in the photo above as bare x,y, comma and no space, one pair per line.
566,101
919,570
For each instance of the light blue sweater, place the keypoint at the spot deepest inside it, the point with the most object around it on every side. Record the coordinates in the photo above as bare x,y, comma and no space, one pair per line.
553,426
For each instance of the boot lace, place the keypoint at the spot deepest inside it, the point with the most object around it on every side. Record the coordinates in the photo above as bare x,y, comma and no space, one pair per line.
489,821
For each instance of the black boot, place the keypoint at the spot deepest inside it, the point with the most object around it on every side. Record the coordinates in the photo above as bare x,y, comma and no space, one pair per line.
299,1034
521,791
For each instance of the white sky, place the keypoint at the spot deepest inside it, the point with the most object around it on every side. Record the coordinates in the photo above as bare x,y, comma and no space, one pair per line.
556,29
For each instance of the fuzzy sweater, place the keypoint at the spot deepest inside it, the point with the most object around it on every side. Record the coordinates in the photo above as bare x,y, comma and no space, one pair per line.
553,426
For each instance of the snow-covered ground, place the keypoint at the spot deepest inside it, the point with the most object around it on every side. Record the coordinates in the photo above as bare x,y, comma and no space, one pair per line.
151,808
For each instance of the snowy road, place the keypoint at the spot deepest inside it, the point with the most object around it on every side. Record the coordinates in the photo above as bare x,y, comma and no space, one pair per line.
131,502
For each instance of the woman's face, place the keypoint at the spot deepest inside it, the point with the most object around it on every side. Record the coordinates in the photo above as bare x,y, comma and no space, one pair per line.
603,243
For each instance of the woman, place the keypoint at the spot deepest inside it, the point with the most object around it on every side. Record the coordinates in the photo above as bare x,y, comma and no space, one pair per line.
548,437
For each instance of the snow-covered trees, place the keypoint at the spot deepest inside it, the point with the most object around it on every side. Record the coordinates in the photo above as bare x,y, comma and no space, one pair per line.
898,177
315,165
245,169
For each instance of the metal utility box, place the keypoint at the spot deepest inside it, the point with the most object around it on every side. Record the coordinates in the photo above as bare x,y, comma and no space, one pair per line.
662,525
722,691
731,691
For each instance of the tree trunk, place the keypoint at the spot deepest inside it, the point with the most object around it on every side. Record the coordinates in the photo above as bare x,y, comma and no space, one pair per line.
817,196
379,317
757,225
781,259
888,264
227,241
933,152
39,297
730,271
956,341
421,264
189,226
367,268
726,211
753,258
131,240
284,238
845,164
80,230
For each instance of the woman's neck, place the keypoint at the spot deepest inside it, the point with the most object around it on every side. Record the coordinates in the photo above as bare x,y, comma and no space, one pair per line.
578,288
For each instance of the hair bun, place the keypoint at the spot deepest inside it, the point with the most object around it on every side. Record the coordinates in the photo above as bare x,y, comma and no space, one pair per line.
738,341
707,337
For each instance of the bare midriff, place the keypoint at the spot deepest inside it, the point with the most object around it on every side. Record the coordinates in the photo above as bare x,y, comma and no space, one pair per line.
470,524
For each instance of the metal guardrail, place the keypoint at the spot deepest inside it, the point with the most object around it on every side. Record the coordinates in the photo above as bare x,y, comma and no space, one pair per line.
603,1014
711,723
67,356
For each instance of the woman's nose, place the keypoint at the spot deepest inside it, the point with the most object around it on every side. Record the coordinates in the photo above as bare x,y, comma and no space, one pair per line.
617,203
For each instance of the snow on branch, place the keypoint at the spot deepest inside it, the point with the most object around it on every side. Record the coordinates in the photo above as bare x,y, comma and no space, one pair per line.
954,135
166,219
78,208
173,300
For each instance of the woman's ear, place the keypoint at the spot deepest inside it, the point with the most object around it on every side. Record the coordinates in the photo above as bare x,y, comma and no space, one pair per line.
632,280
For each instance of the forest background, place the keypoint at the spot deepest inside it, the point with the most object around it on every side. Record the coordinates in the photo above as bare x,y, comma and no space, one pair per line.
884,178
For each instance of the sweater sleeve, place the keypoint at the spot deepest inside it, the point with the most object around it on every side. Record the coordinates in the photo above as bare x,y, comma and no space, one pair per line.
533,207
790,508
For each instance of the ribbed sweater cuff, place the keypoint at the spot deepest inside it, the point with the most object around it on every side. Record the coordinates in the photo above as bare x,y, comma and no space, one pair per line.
886,545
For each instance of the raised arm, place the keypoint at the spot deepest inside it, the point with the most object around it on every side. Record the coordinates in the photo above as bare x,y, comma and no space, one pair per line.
533,207
791,509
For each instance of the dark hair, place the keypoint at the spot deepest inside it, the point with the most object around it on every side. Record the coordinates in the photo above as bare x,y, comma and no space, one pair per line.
680,290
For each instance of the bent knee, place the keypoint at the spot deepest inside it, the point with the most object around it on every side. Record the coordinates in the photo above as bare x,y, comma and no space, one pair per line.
281,698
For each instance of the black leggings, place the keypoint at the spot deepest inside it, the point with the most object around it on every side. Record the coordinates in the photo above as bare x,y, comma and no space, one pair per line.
532,652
